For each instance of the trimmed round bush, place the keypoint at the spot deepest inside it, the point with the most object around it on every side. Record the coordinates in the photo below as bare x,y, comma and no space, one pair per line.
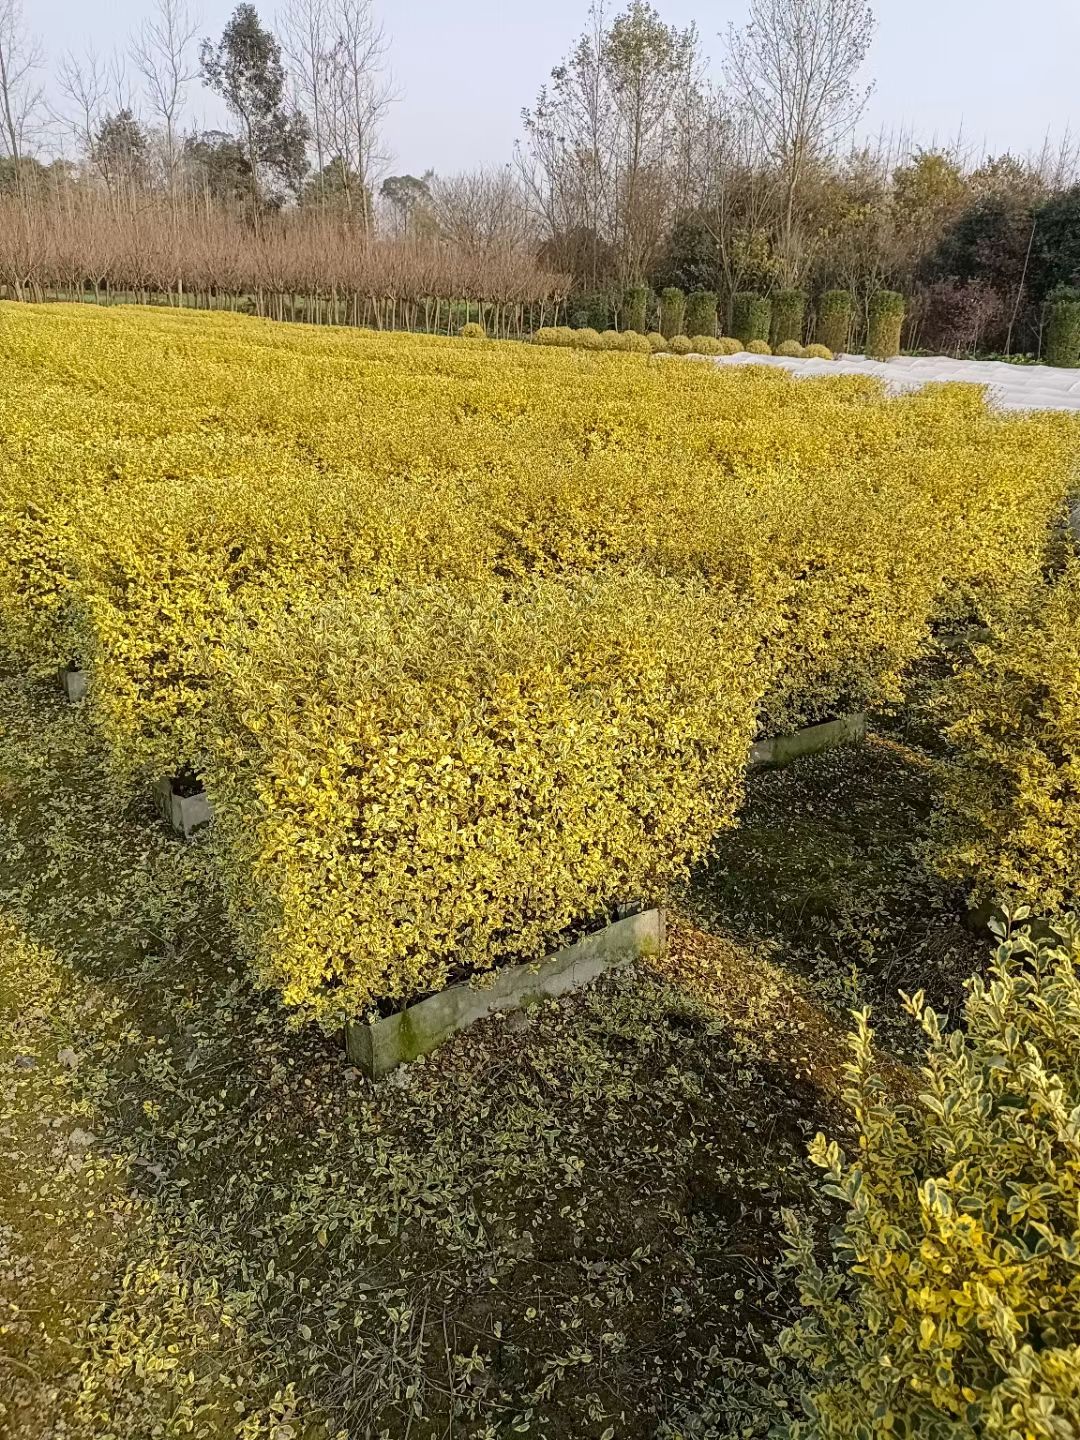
657,342
613,340
751,316
549,335
701,313
887,309
637,344
588,339
759,347
818,352
833,327
791,348
473,331
681,345
672,311
1061,328
705,344
729,345
788,315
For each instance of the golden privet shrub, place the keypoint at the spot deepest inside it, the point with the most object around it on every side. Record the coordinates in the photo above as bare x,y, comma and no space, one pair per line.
413,786
1011,821
951,1305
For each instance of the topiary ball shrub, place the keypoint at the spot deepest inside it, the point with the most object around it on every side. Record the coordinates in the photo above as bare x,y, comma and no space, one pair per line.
588,339
886,321
637,344
759,347
705,345
788,315
672,311
657,342
548,335
614,340
751,316
473,331
701,313
833,327
949,1303
729,345
1061,328
681,345
818,352
791,348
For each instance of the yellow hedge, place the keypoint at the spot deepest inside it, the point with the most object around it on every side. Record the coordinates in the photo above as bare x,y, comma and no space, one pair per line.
173,486
1011,821
413,786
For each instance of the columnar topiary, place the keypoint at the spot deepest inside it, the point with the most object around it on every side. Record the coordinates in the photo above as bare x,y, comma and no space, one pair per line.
949,1309
833,326
751,316
701,312
1061,328
635,308
788,314
672,311
886,320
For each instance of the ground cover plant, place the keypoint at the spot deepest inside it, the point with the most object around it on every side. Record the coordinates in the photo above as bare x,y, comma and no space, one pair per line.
269,590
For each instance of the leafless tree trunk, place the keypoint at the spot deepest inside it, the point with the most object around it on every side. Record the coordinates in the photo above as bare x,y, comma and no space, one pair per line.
359,90
21,56
160,51
304,30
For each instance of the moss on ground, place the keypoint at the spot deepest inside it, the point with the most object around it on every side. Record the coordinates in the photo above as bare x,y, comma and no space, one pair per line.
560,1225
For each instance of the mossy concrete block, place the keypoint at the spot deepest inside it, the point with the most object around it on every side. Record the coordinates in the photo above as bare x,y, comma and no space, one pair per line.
73,683
183,813
379,1047
783,749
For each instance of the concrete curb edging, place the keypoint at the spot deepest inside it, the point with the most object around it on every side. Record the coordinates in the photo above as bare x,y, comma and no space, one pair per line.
73,683
782,749
183,813
380,1047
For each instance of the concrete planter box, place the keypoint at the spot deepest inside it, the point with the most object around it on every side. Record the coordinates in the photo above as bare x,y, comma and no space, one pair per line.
379,1047
782,749
73,683
183,813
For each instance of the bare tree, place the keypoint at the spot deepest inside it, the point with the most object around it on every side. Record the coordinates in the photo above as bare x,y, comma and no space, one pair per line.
160,50
21,97
304,26
796,63
359,90
481,212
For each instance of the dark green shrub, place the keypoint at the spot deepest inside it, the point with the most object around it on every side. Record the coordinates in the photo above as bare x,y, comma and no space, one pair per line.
886,321
751,316
833,328
635,308
1061,328
701,312
788,316
672,311
592,310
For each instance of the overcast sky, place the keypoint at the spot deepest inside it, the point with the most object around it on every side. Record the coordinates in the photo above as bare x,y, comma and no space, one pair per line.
1000,73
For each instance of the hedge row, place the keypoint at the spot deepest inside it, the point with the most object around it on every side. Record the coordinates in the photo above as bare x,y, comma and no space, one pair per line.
470,641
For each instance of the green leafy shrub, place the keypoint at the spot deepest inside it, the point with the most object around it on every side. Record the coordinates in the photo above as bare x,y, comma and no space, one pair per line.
791,348
950,1306
588,339
788,317
636,344
613,340
473,331
672,311
818,352
657,342
758,347
833,326
706,345
701,313
729,345
751,316
1010,824
635,308
886,321
681,345
1061,328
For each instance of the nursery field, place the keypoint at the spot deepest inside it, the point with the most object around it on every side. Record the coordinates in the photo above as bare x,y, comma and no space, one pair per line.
468,643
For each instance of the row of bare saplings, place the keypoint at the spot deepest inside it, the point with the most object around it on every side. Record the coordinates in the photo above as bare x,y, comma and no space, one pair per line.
298,267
